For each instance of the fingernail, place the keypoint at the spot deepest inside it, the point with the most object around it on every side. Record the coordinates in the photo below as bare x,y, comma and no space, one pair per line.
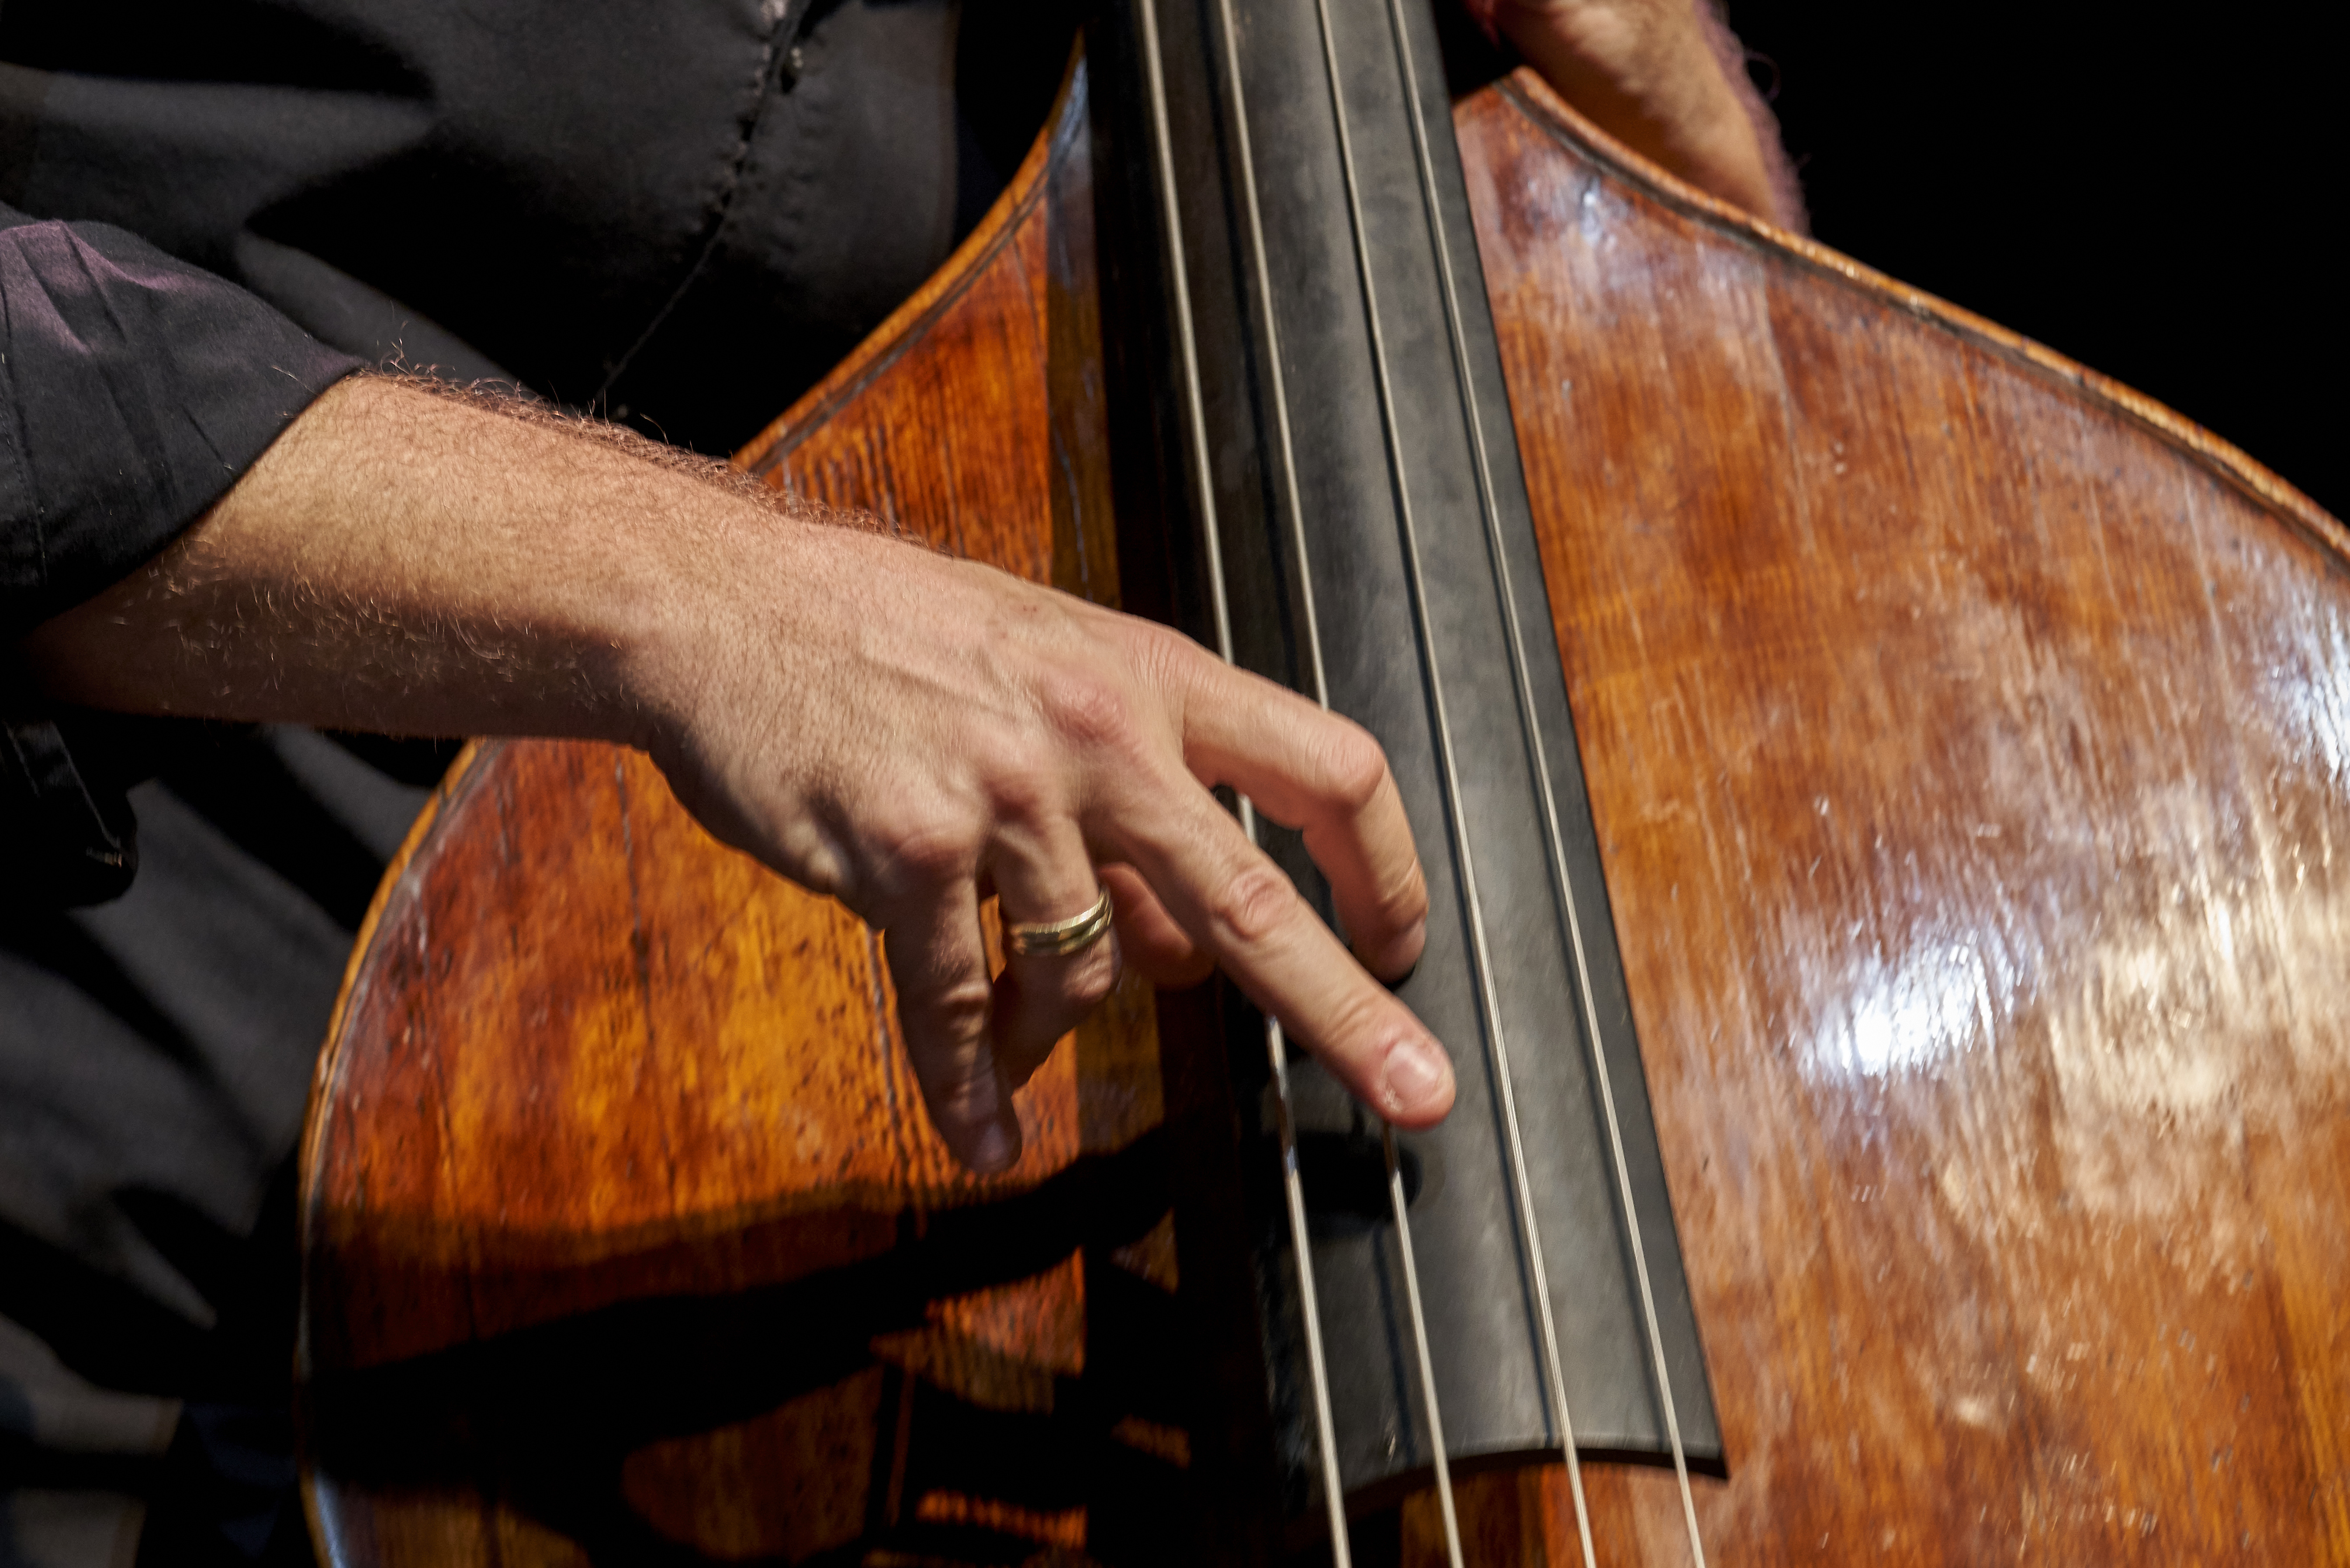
1419,1078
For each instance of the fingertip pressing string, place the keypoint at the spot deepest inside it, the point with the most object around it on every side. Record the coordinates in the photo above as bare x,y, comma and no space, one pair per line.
1564,888
1276,1046
1489,1000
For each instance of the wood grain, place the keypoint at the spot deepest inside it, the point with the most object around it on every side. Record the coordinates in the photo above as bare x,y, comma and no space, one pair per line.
1970,741
596,1081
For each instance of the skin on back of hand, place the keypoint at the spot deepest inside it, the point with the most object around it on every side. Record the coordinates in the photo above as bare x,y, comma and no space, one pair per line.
907,733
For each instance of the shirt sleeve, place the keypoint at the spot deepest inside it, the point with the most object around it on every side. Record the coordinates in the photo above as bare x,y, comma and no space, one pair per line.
134,390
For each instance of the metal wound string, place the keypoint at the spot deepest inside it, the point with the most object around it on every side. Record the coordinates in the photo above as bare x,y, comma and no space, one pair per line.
1489,1001
1276,1047
1467,382
1419,1341
1553,1363
1273,346
1238,97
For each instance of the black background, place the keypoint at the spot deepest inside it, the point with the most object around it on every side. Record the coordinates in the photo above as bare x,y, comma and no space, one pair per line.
2154,193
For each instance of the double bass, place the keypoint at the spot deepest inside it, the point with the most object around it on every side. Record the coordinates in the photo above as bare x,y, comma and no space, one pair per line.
1886,798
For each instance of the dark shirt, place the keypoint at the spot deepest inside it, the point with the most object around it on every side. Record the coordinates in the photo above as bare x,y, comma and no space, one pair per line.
137,389
690,211
678,215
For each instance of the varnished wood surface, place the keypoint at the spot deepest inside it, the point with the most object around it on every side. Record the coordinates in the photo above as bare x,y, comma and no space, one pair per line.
624,1225
1970,747
1970,744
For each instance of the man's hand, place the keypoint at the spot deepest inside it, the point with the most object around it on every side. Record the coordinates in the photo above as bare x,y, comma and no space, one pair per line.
1662,76
907,733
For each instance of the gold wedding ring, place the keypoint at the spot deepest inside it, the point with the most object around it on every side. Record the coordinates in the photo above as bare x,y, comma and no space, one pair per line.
1058,939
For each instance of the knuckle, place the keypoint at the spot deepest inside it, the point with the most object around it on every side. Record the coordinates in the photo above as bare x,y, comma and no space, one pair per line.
948,1047
1253,902
1158,650
1022,790
1354,765
957,1015
925,847
1352,1027
968,1095
1171,665
1091,978
1404,898
1088,712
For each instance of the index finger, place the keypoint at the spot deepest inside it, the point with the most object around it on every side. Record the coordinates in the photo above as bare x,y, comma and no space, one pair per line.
1308,768
1241,908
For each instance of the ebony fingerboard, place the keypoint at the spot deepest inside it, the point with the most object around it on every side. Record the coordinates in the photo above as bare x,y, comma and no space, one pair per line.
1393,526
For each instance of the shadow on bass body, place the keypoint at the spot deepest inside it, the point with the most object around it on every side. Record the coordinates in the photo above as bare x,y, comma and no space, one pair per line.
1905,1047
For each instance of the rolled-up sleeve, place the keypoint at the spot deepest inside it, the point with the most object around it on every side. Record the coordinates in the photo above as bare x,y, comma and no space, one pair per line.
134,390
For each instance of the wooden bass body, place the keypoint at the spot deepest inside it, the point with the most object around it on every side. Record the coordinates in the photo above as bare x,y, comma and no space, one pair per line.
1968,741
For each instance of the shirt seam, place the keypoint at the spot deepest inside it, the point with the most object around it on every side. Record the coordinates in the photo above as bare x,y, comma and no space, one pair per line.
788,21
15,442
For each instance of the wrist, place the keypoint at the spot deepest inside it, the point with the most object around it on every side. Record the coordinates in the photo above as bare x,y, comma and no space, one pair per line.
681,618
730,615
413,560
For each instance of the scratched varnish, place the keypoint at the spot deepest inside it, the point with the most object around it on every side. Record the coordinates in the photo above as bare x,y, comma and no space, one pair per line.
1969,743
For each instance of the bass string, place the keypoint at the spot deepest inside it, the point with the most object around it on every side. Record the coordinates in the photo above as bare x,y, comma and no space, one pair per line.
1564,888
1420,1344
1554,1362
1489,999
1276,1047
1237,97
1317,1365
1195,402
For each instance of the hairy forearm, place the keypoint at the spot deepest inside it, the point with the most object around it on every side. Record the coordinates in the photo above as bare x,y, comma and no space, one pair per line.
408,560
904,731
